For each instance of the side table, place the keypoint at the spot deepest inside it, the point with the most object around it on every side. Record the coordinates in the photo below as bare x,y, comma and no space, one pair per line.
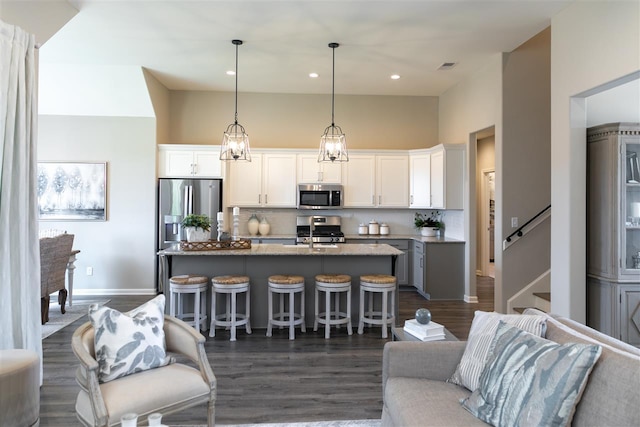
398,334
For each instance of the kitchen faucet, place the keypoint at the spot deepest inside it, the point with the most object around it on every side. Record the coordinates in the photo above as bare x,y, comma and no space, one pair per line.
311,227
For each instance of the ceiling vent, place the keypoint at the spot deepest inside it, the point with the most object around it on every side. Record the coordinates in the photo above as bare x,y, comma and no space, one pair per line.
447,65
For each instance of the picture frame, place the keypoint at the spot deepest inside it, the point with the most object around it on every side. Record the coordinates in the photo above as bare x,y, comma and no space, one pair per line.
72,191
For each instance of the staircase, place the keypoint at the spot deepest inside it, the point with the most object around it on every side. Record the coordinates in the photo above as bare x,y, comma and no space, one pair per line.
537,295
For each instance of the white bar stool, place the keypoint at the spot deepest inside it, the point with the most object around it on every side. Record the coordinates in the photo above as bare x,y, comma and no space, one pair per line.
333,284
189,284
370,285
231,286
286,285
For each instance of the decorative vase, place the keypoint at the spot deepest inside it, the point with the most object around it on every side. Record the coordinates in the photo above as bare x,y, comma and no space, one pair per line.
264,227
423,316
428,231
197,234
253,225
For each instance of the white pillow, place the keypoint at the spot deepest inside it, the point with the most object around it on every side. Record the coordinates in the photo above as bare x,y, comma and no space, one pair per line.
483,329
127,343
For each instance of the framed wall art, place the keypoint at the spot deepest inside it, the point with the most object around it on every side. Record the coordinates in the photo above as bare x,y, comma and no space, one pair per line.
72,191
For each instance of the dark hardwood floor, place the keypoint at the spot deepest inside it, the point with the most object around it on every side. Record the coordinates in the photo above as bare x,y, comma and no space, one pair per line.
272,379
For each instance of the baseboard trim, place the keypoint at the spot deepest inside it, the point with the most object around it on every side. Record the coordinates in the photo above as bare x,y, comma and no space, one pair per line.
102,292
471,299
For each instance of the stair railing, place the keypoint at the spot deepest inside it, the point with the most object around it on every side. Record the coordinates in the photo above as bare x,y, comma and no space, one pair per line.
527,227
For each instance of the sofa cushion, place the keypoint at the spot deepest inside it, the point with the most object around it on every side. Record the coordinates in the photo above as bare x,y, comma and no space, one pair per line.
126,343
410,402
483,329
530,380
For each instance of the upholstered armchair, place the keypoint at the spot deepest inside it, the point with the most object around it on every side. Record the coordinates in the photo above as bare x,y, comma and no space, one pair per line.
54,257
167,389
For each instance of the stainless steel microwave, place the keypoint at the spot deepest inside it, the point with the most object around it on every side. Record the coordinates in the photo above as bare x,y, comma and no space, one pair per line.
320,196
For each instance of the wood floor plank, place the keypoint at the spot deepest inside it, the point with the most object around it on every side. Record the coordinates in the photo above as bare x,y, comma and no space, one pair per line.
271,379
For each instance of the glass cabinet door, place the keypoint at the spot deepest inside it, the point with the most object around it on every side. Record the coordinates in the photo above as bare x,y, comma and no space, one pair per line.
630,235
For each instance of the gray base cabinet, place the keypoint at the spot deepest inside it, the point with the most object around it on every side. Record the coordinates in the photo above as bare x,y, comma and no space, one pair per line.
438,270
402,265
614,309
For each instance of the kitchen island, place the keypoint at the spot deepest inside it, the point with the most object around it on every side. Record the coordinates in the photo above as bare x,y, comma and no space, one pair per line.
263,260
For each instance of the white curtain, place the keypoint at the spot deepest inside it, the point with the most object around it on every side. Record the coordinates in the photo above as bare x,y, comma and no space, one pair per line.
19,248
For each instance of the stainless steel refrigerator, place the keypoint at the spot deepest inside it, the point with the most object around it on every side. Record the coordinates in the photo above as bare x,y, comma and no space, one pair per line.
180,197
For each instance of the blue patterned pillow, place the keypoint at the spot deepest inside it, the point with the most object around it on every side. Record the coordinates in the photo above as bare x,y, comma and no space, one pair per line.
126,343
530,381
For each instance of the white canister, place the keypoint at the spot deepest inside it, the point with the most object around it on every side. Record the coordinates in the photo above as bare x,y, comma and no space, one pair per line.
384,229
374,227
363,229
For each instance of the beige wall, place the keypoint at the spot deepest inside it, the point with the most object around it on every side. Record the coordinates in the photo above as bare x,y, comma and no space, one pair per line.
593,44
159,95
473,105
121,249
526,161
297,121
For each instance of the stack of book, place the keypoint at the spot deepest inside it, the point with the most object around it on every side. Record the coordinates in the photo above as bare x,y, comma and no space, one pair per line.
432,331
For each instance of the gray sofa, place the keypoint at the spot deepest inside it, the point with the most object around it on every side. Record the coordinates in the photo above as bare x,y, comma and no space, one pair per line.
415,391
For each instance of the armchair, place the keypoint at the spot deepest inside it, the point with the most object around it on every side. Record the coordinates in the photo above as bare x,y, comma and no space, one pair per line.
54,257
166,389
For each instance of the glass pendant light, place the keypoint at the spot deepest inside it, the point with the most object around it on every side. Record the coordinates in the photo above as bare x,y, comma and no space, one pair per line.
235,143
333,145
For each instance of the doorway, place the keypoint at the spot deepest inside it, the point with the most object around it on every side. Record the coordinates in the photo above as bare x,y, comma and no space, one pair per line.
485,201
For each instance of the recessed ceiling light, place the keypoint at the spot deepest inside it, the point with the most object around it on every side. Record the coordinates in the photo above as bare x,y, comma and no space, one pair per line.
231,73
395,76
313,75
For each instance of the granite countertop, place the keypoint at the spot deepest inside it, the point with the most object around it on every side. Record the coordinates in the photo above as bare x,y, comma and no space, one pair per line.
342,249
415,237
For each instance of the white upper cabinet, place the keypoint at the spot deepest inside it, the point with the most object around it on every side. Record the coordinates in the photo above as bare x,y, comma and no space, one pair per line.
177,160
392,181
359,181
437,177
310,171
269,180
376,181
279,180
420,180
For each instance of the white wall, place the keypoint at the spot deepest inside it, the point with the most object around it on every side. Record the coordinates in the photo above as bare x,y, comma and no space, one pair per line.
121,249
159,96
592,44
618,104
297,121
471,106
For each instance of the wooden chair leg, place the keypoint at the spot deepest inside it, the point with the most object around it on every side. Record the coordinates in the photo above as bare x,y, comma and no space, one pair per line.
62,300
44,309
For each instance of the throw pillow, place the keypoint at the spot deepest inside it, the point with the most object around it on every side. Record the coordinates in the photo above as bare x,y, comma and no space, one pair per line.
126,343
483,329
530,381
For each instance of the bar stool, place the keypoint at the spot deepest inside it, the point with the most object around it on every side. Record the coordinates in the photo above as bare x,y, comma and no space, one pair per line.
370,285
333,284
286,285
189,284
231,286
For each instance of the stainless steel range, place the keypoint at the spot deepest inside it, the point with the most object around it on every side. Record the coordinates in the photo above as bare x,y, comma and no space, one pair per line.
326,229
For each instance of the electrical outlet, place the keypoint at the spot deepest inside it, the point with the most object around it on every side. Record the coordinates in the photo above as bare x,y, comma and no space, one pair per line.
514,222
89,271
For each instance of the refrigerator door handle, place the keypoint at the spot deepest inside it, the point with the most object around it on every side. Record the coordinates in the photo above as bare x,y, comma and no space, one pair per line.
188,200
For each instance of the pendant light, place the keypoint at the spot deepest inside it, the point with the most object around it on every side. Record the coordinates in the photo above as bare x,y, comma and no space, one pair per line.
333,145
235,143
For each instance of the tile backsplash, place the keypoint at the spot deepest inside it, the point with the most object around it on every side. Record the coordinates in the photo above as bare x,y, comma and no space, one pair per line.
400,221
